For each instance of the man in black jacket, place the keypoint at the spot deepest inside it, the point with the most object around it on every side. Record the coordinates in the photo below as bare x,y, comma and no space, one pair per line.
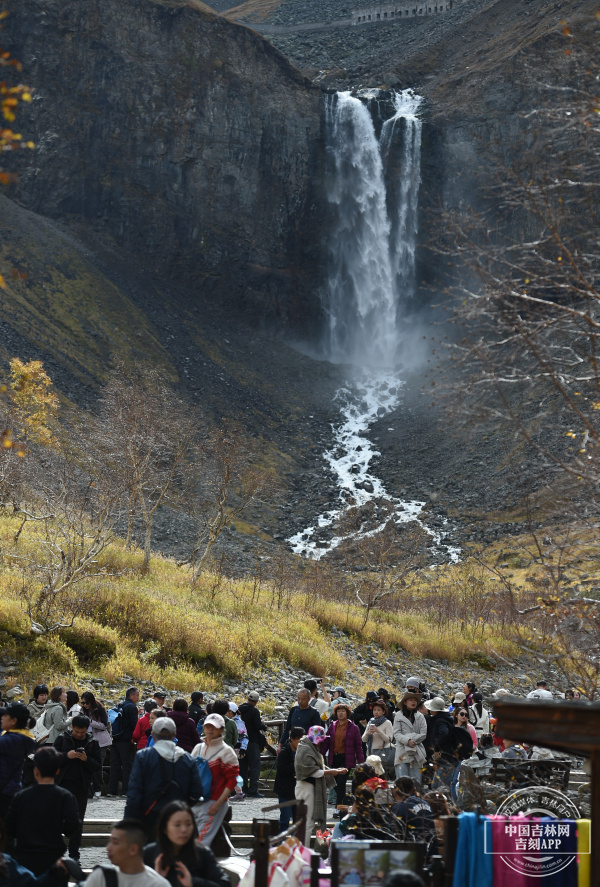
285,777
81,759
40,815
122,750
250,763
302,715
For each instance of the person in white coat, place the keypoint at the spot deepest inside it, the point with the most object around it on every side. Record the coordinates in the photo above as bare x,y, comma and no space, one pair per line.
479,717
410,731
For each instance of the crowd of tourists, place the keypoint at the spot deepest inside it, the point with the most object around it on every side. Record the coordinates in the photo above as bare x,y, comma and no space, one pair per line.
180,766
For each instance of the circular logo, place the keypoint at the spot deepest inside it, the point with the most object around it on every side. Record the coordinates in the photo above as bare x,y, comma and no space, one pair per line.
539,848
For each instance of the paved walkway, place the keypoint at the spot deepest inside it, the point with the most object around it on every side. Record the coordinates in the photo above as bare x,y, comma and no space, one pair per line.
112,808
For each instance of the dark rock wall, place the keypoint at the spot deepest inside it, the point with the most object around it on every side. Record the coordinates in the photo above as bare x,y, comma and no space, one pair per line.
189,139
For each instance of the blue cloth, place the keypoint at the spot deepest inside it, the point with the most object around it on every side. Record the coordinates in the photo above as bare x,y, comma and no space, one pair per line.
19,876
568,876
472,867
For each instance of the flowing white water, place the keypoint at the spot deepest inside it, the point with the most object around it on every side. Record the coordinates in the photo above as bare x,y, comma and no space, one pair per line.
371,274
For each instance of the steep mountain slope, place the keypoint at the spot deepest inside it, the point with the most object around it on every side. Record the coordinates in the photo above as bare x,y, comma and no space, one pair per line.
187,138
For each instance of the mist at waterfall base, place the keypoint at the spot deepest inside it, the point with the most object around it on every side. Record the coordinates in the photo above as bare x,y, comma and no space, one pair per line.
374,148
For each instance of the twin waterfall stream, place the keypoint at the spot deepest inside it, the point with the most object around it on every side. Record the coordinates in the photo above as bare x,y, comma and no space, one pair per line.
374,150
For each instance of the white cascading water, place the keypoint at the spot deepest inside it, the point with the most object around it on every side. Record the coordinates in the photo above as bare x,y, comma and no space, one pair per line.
372,273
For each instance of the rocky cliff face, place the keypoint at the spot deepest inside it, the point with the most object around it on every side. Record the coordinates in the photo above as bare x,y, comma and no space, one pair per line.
189,139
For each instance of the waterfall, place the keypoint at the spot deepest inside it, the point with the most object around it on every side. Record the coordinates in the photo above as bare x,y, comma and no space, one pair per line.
372,245
373,190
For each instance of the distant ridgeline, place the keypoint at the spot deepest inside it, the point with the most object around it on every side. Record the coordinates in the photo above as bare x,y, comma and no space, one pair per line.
379,12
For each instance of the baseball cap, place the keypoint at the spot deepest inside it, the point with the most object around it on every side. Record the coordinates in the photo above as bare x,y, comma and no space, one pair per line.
217,721
254,696
233,707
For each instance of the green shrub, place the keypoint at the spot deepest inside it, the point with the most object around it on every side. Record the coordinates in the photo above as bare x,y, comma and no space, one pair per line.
90,641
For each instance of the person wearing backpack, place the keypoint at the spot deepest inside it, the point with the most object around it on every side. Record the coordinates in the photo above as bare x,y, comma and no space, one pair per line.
16,743
161,774
127,869
122,750
81,761
224,769
54,719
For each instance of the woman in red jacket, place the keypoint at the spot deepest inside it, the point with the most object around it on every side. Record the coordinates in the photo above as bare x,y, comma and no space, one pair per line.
140,736
342,747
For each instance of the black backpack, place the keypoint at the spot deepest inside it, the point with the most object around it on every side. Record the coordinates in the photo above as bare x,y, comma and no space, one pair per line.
462,743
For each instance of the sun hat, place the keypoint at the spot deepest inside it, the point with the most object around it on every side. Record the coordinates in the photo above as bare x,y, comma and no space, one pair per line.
501,692
316,733
435,704
216,720
459,697
410,695
254,696
375,762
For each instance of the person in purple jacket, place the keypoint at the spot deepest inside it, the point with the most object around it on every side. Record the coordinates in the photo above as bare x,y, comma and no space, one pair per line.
187,734
342,747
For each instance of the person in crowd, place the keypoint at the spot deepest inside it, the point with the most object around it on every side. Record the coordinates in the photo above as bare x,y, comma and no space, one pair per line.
16,743
124,849
159,697
310,779
72,703
379,732
301,715
481,760
187,734
196,712
224,769
177,856
441,745
342,748
541,691
142,727
80,762
250,763
338,694
123,750
285,777
153,715
410,733
468,689
234,713
458,698
40,815
363,713
513,751
460,717
479,716
38,703
230,737
382,693
569,695
415,812
576,695
321,705
96,712
165,772
55,718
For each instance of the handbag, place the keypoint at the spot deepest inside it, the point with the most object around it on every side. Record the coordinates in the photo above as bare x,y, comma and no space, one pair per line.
387,756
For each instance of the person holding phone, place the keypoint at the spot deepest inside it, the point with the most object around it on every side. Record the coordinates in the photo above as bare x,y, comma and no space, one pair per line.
81,762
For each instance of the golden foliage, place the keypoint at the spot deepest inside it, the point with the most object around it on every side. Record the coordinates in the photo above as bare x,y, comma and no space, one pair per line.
33,404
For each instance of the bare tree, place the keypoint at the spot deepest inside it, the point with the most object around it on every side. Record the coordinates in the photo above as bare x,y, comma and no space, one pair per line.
381,561
528,307
144,434
228,482
72,513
